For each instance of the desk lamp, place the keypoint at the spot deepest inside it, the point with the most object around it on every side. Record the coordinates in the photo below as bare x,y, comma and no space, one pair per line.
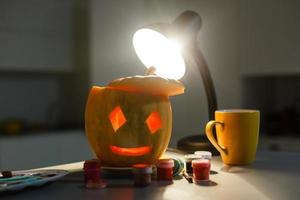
165,49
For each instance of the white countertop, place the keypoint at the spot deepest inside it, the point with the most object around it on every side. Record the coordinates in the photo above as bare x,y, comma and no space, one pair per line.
272,176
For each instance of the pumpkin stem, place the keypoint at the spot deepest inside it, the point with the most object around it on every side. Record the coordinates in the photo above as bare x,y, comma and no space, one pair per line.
150,71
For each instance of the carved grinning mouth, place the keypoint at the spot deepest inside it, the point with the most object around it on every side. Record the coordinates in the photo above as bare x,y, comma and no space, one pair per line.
136,151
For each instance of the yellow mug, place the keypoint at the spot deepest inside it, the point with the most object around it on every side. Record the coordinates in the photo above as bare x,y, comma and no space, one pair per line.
237,135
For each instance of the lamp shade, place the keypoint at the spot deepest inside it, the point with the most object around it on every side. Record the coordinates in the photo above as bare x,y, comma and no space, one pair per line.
155,49
157,46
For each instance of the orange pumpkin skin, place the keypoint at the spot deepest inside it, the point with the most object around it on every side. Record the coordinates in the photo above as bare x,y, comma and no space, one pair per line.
134,141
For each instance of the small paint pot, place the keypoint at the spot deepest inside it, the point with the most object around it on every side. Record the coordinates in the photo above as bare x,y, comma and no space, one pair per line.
92,174
188,162
201,170
165,169
142,174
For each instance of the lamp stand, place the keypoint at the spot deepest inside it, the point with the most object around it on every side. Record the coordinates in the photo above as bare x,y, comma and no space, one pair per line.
200,142
191,22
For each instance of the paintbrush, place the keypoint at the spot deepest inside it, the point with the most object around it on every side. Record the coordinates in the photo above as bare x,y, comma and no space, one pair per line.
187,176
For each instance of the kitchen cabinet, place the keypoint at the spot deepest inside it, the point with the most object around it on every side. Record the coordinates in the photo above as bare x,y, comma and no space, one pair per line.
279,144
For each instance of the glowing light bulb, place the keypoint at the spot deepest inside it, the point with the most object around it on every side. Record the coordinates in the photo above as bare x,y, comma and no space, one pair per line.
154,49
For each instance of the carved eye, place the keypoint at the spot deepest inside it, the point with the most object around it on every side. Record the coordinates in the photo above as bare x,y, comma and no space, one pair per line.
117,118
153,122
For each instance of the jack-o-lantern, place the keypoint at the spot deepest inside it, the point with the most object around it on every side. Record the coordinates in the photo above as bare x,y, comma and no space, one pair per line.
130,120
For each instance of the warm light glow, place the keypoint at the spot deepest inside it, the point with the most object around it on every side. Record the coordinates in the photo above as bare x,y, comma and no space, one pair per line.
154,49
153,122
117,118
135,151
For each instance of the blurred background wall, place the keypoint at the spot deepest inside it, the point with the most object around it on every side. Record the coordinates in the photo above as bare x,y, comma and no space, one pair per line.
43,62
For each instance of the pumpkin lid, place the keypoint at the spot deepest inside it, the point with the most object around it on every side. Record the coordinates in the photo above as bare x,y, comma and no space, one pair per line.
149,84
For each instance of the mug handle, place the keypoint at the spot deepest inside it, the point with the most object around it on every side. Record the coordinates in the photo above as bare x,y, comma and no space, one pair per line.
210,135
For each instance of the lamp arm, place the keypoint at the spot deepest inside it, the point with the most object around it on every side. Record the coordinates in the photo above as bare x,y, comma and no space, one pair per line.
206,79
200,142
187,26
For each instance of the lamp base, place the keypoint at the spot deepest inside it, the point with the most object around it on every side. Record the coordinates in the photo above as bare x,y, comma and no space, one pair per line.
194,143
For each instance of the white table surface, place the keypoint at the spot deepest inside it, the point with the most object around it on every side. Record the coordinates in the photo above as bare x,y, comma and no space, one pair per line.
274,175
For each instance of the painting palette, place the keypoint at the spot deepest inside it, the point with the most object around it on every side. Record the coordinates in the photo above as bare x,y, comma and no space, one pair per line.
23,179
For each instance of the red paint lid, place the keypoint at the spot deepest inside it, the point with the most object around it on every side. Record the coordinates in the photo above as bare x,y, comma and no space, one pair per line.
91,164
165,163
200,163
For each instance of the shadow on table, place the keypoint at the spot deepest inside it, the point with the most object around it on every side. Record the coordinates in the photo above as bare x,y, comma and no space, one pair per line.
212,172
207,183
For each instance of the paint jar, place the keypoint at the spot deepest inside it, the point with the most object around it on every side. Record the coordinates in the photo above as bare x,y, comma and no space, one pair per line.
188,162
204,154
92,174
165,169
201,170
142,175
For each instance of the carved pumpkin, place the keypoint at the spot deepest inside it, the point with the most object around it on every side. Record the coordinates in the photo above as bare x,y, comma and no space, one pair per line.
130,121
